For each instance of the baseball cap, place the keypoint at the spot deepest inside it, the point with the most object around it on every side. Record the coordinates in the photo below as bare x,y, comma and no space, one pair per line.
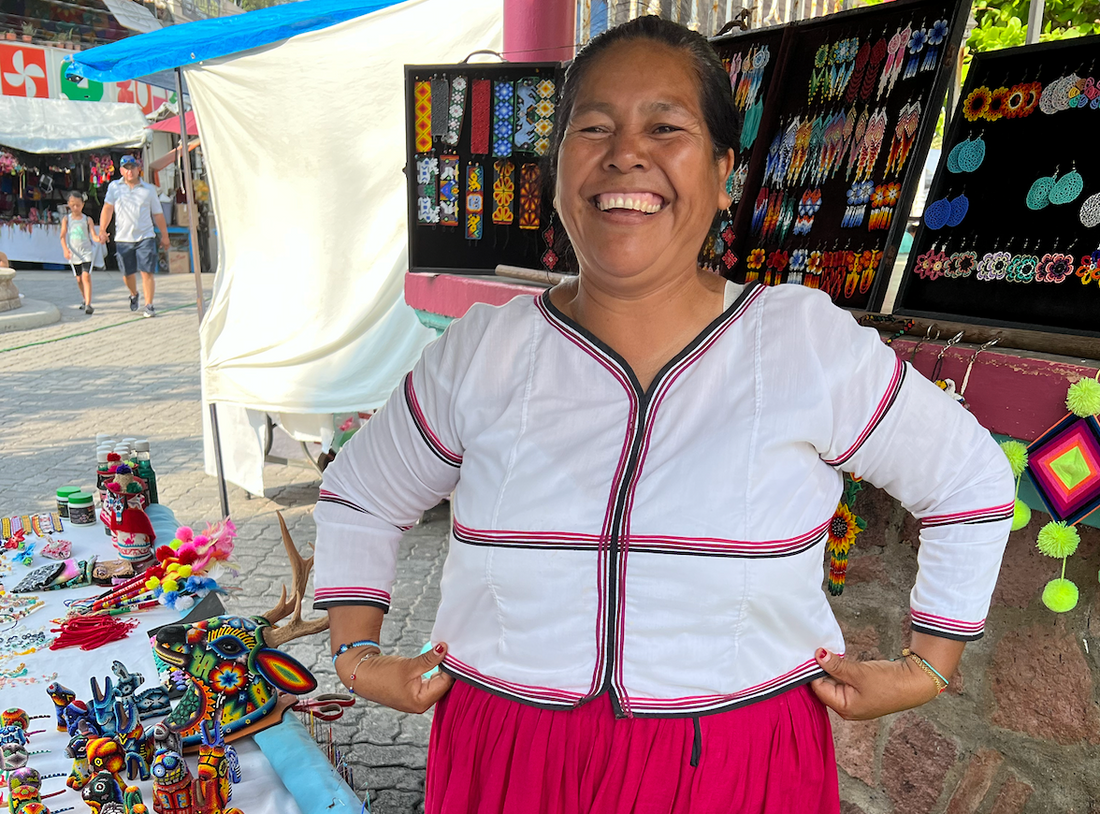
129,159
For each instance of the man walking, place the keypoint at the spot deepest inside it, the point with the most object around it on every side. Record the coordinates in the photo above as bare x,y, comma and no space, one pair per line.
135,241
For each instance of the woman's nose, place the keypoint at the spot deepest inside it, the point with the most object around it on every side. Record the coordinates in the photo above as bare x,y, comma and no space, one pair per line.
626,151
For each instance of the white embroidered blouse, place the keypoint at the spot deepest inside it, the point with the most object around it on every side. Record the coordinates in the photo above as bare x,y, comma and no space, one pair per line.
664,546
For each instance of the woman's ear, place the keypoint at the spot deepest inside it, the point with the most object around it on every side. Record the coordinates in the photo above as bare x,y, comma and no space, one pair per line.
726,165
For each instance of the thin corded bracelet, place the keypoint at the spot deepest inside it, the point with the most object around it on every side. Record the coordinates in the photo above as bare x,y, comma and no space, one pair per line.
351,681
342,649
933,673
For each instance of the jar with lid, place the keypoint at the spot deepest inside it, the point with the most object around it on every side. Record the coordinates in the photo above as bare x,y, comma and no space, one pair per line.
63,499
81,510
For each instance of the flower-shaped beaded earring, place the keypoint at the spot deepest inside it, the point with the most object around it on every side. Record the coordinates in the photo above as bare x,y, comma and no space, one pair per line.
1067,189
1039,194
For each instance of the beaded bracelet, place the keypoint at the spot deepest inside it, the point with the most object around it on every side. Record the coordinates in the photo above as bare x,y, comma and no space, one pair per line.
941,682
351,680
342,649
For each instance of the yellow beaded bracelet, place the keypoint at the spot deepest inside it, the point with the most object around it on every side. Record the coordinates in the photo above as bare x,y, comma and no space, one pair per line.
940,682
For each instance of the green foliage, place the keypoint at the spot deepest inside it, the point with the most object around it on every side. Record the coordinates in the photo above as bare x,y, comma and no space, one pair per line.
1003,23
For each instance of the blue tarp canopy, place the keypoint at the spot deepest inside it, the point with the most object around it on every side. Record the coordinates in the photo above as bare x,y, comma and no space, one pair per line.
187,43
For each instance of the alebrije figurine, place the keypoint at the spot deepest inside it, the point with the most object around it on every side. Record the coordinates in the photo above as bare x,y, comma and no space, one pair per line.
81,772
219,769
61,696
79,720
106,755
164,739
136,747
103,788
173,786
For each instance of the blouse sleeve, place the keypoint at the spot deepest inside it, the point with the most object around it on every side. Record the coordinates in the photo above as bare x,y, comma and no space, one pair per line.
402,462
899,431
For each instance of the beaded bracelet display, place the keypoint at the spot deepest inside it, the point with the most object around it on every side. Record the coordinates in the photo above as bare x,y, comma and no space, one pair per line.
941,682
342,649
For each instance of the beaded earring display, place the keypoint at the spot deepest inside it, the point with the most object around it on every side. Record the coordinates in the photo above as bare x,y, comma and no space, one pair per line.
1039,195
1089,269
1021,269
1067,189
937,34
917,40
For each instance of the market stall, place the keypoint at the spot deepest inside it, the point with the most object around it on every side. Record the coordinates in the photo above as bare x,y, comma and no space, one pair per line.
49,147
106,670
307,320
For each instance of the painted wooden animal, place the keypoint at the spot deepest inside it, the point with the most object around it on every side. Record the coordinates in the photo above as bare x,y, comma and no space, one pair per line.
79,720
61,696
137,747
165,739
233,667
173,785
104,794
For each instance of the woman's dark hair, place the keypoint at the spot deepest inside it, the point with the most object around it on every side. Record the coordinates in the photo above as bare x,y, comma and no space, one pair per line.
722,120
720,115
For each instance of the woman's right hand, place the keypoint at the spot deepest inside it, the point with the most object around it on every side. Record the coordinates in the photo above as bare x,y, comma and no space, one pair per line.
395,681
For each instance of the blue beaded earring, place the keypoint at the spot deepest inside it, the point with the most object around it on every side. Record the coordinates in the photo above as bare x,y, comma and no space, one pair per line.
1039,194
1068,188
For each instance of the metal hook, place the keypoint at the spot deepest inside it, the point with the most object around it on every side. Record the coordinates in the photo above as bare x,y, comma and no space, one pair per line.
927,338
970,366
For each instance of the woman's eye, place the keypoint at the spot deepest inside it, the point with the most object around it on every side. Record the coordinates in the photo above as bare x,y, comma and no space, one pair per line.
666,128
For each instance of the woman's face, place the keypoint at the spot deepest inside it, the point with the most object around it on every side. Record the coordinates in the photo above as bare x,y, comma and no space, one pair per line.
638,185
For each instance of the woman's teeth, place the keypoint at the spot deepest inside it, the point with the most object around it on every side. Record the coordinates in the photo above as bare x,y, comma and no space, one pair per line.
645,202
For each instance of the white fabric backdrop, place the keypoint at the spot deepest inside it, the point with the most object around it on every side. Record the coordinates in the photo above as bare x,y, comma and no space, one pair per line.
306,142
65,126
41,244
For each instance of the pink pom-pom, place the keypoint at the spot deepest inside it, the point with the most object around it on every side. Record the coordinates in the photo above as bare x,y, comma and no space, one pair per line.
184,534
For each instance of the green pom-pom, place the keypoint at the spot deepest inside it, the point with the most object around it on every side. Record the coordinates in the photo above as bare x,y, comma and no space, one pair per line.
1058,540
1021,515
1017,456
1083,398
1060,595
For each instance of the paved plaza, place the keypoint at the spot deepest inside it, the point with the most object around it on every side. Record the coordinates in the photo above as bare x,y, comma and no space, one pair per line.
116,372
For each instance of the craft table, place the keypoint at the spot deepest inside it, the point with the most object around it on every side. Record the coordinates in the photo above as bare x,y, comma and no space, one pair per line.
38,244
261,790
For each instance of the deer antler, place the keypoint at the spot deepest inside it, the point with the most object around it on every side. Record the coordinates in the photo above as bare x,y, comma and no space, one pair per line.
296,628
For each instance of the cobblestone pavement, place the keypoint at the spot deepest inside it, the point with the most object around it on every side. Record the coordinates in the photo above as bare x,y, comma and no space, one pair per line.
116,372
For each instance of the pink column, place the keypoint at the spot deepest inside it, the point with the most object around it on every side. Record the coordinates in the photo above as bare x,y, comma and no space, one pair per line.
539,30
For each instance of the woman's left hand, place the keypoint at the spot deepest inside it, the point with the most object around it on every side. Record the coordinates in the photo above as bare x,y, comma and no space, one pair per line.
860,690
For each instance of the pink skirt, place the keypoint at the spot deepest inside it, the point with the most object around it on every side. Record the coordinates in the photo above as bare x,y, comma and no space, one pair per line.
490,755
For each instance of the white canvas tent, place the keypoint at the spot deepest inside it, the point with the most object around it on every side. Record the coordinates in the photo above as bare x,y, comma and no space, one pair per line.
304,141
65,126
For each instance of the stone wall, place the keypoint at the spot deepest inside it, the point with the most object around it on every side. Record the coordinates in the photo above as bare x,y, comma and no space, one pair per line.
1018,730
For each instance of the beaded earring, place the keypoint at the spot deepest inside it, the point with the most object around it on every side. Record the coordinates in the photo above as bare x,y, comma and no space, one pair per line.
1090,211
1021,269
1068,188
959,207
937,214
972,155
1039,194
953,156
962,263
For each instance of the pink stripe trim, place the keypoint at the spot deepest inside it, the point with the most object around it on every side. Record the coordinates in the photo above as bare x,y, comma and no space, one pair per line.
790,676
962,517
525,690
350,592
422,422
943,622
883,405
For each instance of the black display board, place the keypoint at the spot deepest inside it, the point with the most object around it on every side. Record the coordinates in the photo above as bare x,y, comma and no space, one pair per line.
802,217
1024,114
435,247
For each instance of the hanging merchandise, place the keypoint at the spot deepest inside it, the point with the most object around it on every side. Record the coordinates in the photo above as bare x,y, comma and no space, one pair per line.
482,124
1031,229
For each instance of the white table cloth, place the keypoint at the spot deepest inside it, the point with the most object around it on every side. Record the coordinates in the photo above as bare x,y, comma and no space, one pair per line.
260,792
38,244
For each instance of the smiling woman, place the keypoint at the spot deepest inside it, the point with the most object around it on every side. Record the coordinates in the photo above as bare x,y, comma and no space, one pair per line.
643,464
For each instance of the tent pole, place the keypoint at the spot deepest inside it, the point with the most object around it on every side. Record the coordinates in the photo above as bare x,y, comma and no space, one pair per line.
193,253
192,219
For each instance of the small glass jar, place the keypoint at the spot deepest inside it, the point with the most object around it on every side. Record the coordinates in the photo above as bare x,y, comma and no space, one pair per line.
81,509
63,499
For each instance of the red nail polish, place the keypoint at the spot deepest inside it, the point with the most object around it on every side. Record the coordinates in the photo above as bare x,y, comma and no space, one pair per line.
822,654
439,649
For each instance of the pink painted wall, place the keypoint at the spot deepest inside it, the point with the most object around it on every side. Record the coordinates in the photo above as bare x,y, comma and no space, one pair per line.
539,30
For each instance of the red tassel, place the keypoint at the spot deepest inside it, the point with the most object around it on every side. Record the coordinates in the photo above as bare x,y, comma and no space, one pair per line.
91,632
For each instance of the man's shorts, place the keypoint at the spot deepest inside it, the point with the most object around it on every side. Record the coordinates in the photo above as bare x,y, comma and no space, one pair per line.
140,256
